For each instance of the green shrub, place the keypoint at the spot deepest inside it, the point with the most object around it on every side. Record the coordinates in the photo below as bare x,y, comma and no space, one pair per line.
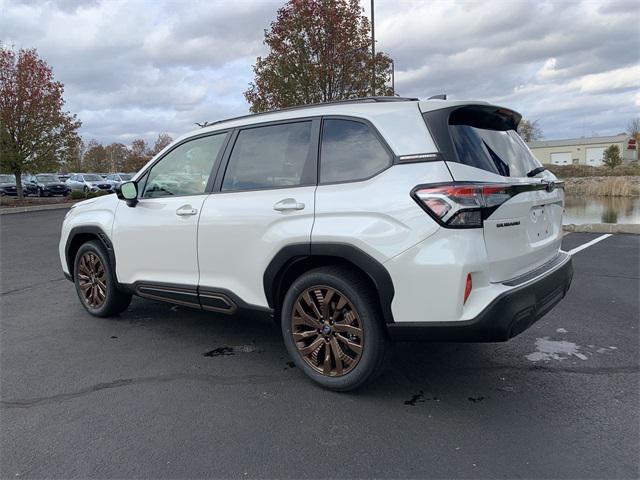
77,195
612,158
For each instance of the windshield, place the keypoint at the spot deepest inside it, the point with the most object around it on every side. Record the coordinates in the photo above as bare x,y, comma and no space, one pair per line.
47,178
7,179
498,151
125,176
90,177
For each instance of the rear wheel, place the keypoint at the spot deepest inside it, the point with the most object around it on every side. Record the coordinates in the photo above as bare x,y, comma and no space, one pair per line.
95,284
333,329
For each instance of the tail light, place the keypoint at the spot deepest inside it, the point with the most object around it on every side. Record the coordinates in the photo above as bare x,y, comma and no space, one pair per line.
467,288
462,205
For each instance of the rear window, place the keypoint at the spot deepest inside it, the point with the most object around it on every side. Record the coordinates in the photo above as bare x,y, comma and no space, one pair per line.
350,151
486,138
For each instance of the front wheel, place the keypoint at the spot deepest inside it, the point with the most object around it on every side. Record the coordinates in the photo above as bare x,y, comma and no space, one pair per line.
333,329
95,282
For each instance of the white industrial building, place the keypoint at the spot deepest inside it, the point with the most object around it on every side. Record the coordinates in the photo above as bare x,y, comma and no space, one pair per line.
582,151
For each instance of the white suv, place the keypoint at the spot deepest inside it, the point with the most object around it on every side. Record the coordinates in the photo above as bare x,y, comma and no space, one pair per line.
353,223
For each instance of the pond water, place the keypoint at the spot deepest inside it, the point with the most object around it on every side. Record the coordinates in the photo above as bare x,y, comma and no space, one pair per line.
585,209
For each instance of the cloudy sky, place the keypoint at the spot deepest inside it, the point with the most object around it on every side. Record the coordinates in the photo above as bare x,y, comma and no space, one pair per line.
134,68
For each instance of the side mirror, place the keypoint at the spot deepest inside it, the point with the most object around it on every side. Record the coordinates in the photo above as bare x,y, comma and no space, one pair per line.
128,191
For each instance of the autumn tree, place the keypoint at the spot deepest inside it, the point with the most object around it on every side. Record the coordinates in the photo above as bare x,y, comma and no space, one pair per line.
529,130
35,131
72,157
138,155
319,50
116,154
633,128
95,158
611,157
162,141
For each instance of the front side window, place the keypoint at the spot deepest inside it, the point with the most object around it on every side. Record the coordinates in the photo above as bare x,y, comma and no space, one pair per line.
270,157
350,151
185,170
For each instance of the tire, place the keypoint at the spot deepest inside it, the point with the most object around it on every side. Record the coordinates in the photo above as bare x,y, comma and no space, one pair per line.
40,193
359,322
85,189
112,301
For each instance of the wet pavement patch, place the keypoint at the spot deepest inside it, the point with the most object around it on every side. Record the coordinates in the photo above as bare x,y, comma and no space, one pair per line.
415,398
219,352
419,398
113,336
475,399
289,365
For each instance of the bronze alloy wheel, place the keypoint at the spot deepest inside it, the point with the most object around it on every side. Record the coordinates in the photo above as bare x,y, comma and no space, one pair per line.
92,280
327,331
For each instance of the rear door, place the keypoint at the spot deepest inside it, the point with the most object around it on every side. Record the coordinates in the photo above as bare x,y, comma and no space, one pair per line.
525,231
263,200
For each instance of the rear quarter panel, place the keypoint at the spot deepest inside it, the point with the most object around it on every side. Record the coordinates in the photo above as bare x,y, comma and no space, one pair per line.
377,215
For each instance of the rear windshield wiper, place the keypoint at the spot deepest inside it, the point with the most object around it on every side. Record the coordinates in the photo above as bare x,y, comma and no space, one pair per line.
536,171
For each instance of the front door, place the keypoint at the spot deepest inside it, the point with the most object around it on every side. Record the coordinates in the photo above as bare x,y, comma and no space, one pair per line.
264,201
155,241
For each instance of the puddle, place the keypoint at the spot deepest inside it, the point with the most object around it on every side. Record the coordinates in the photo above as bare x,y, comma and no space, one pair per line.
415,398
547,350
227,351
219,352
554,350
475,399
419,398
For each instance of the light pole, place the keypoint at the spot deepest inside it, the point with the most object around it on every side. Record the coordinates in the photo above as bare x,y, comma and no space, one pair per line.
373,51
393,78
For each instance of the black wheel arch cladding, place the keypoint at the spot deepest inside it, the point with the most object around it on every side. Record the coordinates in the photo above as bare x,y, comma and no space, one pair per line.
298,258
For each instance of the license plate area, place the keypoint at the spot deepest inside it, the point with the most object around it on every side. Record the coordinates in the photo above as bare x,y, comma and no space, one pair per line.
539,224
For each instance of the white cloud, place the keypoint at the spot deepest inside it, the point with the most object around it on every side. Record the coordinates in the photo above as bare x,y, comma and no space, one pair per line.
138,67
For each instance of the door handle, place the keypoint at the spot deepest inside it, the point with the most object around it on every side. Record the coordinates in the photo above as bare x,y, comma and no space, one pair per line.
186,210
288,204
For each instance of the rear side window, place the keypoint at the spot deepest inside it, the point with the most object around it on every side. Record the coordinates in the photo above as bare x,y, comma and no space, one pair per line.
350,151
272,156
487,139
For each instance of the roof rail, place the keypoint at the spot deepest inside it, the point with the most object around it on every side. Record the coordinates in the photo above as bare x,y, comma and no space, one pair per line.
311,105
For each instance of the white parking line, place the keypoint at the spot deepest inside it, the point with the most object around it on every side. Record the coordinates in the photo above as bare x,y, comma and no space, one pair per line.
588,244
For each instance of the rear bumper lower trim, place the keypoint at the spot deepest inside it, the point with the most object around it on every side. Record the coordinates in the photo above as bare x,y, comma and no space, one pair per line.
507,316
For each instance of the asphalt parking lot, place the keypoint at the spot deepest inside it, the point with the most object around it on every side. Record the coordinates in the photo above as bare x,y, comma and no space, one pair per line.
164,391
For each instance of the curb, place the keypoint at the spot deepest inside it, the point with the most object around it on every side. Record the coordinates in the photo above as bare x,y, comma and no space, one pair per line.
603,228
34,208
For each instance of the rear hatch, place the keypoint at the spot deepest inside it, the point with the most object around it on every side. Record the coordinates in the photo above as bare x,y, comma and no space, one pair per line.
523,226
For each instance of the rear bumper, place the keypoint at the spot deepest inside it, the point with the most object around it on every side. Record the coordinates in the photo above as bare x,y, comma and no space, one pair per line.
508,315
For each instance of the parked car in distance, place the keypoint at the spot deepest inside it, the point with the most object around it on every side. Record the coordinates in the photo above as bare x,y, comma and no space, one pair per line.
8,185
353,223
89,182
118,178
63,176
29,184
48,184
